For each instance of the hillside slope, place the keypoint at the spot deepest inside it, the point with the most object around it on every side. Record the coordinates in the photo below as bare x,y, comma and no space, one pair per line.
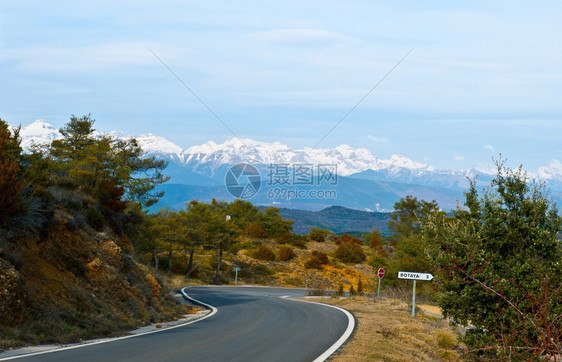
73,283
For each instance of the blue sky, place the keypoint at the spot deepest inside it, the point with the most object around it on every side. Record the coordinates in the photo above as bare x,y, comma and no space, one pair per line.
484,77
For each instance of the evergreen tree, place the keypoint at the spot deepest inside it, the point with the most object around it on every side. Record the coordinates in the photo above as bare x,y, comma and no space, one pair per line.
408,216
273,223
138,173
106,168
37,166
499,268
196,218
148,238
11,183
405,226
224,232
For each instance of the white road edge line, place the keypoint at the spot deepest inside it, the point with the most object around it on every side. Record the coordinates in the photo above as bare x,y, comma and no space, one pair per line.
213,312
344,337
213,309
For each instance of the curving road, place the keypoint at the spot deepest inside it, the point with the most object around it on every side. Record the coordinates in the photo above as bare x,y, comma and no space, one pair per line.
250,324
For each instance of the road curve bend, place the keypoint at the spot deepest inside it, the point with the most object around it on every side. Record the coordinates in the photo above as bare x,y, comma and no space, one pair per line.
246,324
275,327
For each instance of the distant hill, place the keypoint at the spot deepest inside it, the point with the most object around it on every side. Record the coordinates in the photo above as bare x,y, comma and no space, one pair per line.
350,192
337,219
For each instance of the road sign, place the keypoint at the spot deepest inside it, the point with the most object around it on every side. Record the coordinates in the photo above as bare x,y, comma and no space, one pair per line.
236,270
381,273
414,275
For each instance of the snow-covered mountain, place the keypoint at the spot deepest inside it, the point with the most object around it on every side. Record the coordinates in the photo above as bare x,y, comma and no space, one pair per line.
551,172
348,160
361,163
39,132
233,150
153,145
205,159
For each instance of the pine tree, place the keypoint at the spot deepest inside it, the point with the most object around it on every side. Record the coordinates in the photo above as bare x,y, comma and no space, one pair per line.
113,170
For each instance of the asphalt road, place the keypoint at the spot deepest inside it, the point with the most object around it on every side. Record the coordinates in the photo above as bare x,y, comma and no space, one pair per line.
251,324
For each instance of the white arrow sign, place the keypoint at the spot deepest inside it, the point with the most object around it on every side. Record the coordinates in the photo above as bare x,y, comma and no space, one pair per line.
414,275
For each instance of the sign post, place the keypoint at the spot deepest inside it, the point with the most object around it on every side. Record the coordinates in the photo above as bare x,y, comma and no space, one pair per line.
414,299
414,276
236,270
381,275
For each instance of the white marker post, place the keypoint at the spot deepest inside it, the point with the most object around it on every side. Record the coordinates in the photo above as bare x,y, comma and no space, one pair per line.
414,276
236,270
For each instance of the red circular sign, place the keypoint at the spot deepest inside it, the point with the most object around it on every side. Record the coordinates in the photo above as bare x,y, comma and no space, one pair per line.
381,273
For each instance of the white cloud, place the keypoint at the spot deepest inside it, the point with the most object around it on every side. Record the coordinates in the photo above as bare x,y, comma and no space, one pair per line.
377,139
458,158
489,147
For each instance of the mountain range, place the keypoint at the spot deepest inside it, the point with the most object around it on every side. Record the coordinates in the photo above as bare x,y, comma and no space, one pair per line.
308,178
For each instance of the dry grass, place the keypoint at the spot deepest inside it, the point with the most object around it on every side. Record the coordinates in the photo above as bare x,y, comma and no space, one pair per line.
386,331
292,273
173,282
429,308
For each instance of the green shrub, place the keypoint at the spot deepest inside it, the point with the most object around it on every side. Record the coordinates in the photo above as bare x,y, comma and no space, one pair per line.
286,253
283,238
293,239
317,234
264,252
263,270
316,260
348,239
254,230
350,253
298,240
